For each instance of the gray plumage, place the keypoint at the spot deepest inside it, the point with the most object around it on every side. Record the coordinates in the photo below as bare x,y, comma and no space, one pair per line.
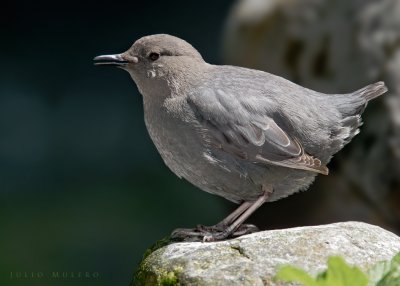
237,132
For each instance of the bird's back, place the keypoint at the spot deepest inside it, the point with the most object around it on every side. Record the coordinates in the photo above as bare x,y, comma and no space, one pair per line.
323,123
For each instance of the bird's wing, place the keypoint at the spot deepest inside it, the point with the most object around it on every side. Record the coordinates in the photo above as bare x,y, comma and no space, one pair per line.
241,126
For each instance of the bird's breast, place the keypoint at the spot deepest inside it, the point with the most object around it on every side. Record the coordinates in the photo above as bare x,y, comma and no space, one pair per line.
174,134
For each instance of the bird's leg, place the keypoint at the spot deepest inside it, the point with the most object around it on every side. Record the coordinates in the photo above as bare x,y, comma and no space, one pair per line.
228,220
197,234
235,214
232,227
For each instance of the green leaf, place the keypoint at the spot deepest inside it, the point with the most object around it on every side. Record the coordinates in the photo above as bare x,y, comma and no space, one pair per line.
392,276
339,273
378,271
294,274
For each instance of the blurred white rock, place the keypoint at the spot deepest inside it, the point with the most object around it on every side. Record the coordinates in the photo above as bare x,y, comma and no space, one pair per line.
336,47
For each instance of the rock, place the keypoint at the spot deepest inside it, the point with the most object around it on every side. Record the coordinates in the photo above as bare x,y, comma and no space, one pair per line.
254,259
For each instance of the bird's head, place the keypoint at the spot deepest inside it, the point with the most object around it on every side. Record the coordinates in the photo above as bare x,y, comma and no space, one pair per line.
158,57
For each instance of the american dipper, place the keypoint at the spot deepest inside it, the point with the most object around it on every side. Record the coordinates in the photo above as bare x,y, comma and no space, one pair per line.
246,135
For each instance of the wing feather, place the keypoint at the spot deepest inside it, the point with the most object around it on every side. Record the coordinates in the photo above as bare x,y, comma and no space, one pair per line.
254,136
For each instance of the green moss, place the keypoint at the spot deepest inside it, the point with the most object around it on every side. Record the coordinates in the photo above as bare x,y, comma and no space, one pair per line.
143,276
160,243
146,276
169,279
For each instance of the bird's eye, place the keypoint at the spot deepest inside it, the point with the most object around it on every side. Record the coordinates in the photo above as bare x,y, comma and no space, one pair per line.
154,56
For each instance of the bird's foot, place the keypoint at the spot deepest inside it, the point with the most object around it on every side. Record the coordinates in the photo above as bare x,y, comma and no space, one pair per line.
211,233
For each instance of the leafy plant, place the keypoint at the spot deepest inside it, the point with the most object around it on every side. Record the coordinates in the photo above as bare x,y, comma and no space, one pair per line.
386,273
339,273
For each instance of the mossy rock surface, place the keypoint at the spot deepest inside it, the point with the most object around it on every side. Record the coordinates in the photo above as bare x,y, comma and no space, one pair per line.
254,259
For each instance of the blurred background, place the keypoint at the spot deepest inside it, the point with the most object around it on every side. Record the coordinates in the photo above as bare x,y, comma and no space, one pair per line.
82,188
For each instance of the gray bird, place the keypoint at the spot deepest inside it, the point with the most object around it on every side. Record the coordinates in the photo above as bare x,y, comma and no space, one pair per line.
246,135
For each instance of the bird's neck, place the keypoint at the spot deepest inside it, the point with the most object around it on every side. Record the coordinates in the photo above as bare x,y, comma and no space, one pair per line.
176,82
182,78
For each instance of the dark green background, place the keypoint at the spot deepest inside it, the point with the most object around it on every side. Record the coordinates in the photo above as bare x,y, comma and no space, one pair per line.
82,187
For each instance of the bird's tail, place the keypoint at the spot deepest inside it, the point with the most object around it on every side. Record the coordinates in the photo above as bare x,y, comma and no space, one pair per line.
354,103
372,91
351,106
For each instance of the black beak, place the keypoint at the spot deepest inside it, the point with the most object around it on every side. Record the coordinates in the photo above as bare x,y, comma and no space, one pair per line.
110,60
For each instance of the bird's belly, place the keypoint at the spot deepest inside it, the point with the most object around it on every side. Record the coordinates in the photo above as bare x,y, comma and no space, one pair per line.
183,151
181,147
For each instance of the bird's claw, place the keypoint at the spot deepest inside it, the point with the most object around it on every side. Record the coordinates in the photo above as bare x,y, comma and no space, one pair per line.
210,233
